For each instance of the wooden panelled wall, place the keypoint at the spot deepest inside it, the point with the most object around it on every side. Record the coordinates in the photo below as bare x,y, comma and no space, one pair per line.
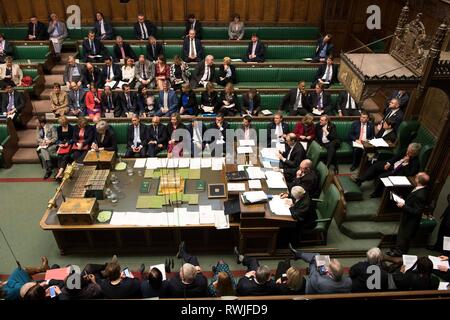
305,12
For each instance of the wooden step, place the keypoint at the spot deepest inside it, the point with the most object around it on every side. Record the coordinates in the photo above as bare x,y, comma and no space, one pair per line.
27,138
32,123
52,78
58,69
41,106
25,156
45,95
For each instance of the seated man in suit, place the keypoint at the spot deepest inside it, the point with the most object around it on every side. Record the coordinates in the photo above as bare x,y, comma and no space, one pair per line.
392,113
361,130
197,130
143,29
192,48
324,49
204,72
167,102
77,101
36,30
12,104
399,165
122,51
277,130
217,144
329,279
144,72
326,74
402,97
193,24
127,102
257,281
360,272
111,73
136,138
108,102
91,75
157,137
307,178
73,72
256,50
296,102
412,209
103,29
387,132
251,102
326,136
154,49
346,105
302,210
93,49
290,159
320,101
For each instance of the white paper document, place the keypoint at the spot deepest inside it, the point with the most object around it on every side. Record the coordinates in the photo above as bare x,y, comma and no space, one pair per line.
399,180
267,165
222,220
266,112
322,260
118,218
280,206
152,163
254,184
246,143
304,145
386,182
380,142
280,147
161,268
183,163
192,218
172,163
255,173
162,162
409,261
438,262
217,164
182,216
255,196
446,244
207,215
270,154
242,150
397,199
275,180
172,219
357,145
140,163
317,112
206,162
444,286
236,186
195,163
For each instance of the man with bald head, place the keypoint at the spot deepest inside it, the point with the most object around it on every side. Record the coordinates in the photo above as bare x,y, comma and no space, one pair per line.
412,209
157,137
307,178
290,159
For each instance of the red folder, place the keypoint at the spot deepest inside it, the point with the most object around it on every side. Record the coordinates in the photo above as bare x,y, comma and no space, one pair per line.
57,274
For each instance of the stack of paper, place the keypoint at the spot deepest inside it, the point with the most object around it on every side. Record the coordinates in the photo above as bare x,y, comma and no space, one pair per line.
183,163
172,163
357,145
206,162
162,162
217,164
386,182
280,147
255,173
275,180
380,142
195,163
255,196
207,215
232,186
270,154
267,165
246,143
222,220
254,184
242,150
399,180
118,218
438,262
182,216
152,163
409,261
140,163
192,218
280,206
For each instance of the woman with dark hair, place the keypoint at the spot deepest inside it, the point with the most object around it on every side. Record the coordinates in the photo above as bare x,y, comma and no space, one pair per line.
223,283
93,102
116,285
175,147
64,143
179,73
146,102
236,28
128,72
229,101
419,277
209,100
187,104
103,29
153,287
83,136
162,72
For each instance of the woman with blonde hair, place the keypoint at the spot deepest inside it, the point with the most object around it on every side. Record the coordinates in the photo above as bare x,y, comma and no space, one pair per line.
290,280
229,104
227,73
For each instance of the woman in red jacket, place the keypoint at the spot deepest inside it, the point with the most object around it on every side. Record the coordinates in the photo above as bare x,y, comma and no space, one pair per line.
305,130
93,102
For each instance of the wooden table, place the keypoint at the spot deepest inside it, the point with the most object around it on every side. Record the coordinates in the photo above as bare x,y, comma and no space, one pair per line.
388,210
103,159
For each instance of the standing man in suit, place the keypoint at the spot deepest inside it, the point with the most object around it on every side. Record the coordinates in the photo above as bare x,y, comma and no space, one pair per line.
192,48
326,74
320,101
36,30
122,50
296,102
111,72
103,29
144,72
324,49
290,159
73,72
167,101
412,209
6,50
402,97
277,130
143,28
154,49
93,49
255,51
392,113
157,137
204,72
127,102
91,74
77,100
326,136
361,130
347,106
193,24
136,138
12,104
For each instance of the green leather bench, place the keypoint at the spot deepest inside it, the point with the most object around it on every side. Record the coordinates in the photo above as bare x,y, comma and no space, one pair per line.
34,54
4,138
352,192
8,144
37,81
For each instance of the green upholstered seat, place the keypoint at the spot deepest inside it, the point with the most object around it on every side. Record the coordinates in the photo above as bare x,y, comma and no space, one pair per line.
323,173
31,54
34,74
352,192
313,153
4,138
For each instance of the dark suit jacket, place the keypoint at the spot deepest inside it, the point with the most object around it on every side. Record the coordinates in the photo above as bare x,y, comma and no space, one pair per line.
151,29
256,103
359,275
210,100
248,287
320,45
304,212
237,108
222,74
19,101
200,70
391,136
411,169
198,48
342,101
271,126
117,73
332,134
104,102
89,135
159,50
117,55
161,138
326,102
40,31
298,154
73,99
108,30
225,127
177,289
321,72
288,102
109,141
122,103
143,133
99,48
7,50
260,51
197,28
397,118
95,78
356,128
404,99
411,280
309,182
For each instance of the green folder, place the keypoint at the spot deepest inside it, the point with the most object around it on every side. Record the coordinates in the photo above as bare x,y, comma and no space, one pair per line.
184,173
150,202
145,187
194,174
192,199
200,185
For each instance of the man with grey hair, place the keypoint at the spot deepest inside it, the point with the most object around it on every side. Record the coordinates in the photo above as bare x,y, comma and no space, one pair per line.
257,281
361,271
324,279
189,282
400,165
204,72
